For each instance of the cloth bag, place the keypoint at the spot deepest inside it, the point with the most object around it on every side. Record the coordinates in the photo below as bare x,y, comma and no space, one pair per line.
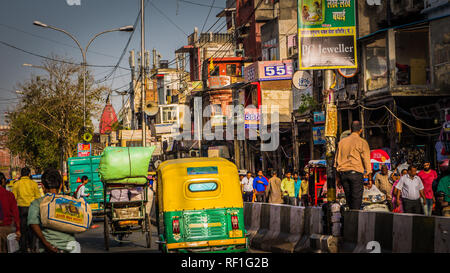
12,243
65,213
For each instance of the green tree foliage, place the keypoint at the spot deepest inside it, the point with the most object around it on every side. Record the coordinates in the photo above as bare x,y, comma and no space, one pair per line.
307,103
49,117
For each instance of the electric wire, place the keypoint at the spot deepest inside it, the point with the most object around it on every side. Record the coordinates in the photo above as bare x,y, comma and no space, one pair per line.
206,20
50,40
53,59
168,18
198,4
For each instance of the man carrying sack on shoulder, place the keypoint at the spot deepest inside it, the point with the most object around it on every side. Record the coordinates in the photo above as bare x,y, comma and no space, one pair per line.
51,240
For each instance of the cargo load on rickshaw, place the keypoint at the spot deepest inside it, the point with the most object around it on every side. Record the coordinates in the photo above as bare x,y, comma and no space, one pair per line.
123,171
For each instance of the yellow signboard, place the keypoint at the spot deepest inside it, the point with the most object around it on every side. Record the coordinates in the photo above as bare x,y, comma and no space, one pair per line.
331,121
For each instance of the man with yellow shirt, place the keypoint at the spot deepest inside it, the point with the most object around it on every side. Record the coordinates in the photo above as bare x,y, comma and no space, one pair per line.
26,191
288,189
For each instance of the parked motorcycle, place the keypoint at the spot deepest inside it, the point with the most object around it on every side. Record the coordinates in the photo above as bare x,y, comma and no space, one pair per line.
374,200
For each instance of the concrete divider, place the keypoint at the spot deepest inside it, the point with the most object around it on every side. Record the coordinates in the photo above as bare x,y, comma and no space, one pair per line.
313,224
284,228
281,228
291,229
385,232
252,213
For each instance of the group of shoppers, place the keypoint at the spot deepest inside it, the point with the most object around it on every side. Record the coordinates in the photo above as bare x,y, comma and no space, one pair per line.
292,190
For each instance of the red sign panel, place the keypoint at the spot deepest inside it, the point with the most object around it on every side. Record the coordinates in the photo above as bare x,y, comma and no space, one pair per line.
84,149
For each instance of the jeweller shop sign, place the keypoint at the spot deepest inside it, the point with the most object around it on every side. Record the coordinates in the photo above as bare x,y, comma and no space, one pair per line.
327,34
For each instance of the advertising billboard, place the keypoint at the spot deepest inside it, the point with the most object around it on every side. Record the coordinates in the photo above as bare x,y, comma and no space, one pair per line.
327,34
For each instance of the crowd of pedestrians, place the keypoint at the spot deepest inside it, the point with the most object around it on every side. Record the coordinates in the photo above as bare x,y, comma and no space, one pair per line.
20,213
406,189
292,190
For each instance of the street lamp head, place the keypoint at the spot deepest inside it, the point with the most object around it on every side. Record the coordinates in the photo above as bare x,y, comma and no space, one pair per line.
127,28
27,65
39,24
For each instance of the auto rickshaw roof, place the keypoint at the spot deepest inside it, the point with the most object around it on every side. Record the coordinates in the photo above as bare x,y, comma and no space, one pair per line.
194,161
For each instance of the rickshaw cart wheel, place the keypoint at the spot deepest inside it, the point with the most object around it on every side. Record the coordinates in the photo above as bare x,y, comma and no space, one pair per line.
106,232
148,232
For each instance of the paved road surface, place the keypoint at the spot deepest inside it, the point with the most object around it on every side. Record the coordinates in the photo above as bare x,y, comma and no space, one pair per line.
92,242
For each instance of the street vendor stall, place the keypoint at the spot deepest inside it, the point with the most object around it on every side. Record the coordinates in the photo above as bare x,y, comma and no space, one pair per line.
317,177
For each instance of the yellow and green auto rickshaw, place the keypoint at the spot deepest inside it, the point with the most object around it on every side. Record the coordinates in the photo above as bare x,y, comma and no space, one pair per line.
199,206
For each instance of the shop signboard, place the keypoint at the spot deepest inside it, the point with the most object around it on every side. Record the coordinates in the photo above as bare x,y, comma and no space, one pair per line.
269,71
250,73
195,86
318,135
319,117
84,149
218,121
252,118
275,70
219,81
327,34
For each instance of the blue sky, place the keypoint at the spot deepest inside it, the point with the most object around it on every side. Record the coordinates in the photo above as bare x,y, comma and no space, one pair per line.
83,21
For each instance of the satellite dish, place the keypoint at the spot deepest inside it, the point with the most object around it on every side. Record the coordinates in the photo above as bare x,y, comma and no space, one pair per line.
151,108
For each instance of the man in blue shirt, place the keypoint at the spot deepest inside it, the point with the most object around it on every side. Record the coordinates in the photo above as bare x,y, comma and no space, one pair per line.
259,188
298,183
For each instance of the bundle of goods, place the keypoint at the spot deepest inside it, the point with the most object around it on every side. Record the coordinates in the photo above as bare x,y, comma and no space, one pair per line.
125,165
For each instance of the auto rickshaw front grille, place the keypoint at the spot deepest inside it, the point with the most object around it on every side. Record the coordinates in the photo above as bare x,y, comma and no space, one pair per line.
214,225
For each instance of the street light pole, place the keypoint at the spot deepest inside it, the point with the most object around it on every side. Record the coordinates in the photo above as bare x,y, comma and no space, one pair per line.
83,53
144,133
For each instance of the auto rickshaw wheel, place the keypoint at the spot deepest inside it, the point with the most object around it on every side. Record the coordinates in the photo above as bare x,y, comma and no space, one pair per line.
106,231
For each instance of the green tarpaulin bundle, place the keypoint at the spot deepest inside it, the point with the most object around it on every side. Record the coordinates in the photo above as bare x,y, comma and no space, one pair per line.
125,165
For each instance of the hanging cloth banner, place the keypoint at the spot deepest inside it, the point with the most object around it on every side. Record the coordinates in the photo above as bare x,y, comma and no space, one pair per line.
331,121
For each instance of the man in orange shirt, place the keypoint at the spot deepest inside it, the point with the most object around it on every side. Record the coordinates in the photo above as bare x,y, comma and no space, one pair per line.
352,160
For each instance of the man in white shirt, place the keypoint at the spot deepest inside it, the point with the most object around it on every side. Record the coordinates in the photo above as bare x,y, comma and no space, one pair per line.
247,187
410,187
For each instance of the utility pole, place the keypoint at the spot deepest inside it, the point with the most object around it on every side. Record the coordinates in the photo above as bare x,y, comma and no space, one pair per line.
132,91
330,134
143,87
